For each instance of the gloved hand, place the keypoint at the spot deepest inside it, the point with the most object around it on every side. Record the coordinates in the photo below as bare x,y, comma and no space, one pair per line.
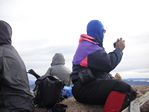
120,43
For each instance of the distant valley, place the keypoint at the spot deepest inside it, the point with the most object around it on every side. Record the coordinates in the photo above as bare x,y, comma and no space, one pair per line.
137,81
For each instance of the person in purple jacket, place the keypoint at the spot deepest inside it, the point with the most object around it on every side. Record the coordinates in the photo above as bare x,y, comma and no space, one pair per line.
93,83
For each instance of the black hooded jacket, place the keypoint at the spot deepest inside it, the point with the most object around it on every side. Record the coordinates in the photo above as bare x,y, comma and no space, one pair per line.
14,84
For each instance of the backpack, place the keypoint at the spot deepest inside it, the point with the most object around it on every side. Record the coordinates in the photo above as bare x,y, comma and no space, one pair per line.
47,91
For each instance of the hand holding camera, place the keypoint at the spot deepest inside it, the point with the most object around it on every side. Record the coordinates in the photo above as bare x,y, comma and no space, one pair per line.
120,43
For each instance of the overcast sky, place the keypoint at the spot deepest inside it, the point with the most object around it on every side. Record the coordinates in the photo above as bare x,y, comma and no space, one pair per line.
43,27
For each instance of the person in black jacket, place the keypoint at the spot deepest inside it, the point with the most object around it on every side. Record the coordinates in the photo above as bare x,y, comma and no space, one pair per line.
15,95
93,83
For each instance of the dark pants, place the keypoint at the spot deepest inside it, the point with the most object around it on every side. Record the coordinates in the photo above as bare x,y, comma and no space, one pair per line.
96,92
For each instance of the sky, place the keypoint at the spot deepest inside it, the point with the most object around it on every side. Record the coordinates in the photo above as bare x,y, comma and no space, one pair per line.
42,28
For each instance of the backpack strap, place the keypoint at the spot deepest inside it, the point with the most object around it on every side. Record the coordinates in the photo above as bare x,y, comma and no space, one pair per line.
31,71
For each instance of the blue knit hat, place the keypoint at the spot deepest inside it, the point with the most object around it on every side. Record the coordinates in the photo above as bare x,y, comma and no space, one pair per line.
96,30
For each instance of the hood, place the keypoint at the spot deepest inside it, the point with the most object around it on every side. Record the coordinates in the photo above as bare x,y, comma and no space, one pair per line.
5,33
58,59
96,30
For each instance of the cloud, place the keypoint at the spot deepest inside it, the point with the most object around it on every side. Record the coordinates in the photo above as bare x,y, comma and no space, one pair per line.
142,73
44,27
40,58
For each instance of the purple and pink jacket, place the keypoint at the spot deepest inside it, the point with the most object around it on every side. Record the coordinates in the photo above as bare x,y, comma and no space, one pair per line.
90,54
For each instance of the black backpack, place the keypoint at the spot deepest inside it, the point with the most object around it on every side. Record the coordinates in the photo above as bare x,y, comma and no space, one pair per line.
47,91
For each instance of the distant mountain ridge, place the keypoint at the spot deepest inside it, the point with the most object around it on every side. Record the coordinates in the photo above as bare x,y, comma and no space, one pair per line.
131,81
137,81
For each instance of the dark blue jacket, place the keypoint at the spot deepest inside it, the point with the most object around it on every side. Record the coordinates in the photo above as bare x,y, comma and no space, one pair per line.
90,54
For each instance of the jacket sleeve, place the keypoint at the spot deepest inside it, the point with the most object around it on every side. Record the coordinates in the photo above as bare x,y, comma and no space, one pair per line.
105,62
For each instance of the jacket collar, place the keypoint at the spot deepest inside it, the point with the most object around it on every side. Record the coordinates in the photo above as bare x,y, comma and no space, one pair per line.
85,37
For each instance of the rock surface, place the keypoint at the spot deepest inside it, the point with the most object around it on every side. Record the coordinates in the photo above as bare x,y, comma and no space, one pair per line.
74,106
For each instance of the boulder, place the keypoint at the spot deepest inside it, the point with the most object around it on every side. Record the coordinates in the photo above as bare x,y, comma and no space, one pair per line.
74,106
